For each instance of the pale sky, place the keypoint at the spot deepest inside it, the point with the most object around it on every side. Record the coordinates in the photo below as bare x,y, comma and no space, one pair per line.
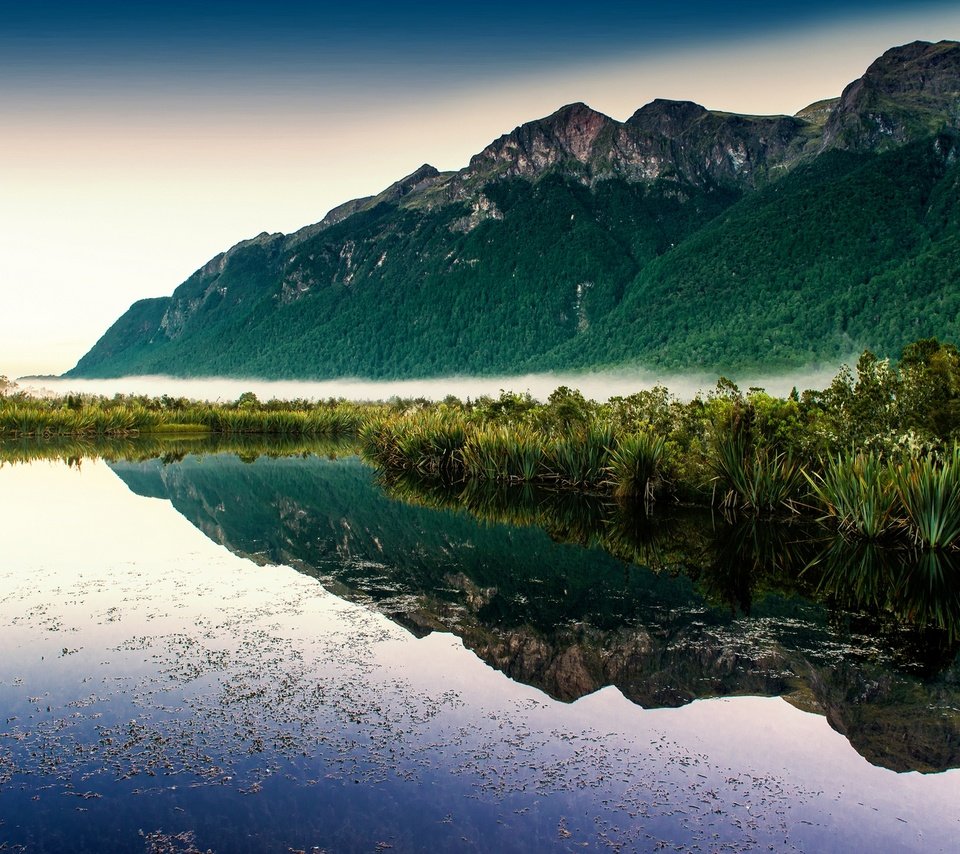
121,176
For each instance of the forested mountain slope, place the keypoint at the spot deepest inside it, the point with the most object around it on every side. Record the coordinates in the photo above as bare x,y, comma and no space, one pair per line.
681,237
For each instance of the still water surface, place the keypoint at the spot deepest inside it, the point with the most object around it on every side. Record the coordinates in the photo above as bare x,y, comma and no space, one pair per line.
247,653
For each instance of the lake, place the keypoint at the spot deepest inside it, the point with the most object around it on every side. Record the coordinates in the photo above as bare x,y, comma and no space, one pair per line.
248,647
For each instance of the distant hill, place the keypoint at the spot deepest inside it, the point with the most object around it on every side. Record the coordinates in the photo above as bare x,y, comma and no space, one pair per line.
680,238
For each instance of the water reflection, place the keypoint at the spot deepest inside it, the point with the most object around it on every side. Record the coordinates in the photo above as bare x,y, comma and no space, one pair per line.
168,447
162,694
733,560
570,593
912,597
662,541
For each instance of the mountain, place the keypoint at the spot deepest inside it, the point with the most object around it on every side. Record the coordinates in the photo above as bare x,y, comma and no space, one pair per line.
679,238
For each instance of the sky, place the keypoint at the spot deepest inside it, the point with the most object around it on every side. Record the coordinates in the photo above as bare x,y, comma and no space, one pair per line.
139,139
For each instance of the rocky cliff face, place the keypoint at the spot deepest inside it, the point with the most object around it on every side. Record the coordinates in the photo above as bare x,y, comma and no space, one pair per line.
703,146
908,92
575,137
665,140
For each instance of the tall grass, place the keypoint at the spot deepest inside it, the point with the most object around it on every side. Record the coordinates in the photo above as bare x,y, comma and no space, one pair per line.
857,491
579,458
753,479
429,443
30,417
929,490
634,464
455,447
24,419
871,499
169,447
504,454
600,450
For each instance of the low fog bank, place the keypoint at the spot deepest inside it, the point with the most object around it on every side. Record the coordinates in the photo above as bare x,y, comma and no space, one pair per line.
598,386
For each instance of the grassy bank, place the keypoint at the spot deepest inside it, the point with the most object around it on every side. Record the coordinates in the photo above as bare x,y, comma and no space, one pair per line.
874,455
91,416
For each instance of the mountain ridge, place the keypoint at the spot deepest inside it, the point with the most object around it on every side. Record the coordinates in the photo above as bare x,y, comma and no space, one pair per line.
551,233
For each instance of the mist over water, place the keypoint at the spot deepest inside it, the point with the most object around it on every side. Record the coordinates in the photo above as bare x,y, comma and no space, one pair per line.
598,386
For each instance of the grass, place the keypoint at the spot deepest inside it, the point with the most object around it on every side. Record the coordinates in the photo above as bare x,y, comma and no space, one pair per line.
92,416
504,454
169,447
631,448
429,444
455,447
872,499
580,458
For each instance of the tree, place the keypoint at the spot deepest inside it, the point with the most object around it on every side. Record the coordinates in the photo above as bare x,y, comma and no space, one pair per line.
248,400
930,380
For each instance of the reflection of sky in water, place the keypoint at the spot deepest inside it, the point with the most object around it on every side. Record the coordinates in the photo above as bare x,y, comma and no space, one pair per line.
153,681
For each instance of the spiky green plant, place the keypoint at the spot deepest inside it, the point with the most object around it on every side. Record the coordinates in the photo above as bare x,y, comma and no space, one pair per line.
580,458
754,480
428,443
856,490
930,492
634,464
283,422
501,453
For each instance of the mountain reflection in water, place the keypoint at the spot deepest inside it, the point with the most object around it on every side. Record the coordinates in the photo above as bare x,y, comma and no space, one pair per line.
570,593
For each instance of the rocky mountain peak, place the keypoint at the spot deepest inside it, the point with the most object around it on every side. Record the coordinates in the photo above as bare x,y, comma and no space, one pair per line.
419,179
903,94
576,128
910,91
917,67
576,118
667,118
569,135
